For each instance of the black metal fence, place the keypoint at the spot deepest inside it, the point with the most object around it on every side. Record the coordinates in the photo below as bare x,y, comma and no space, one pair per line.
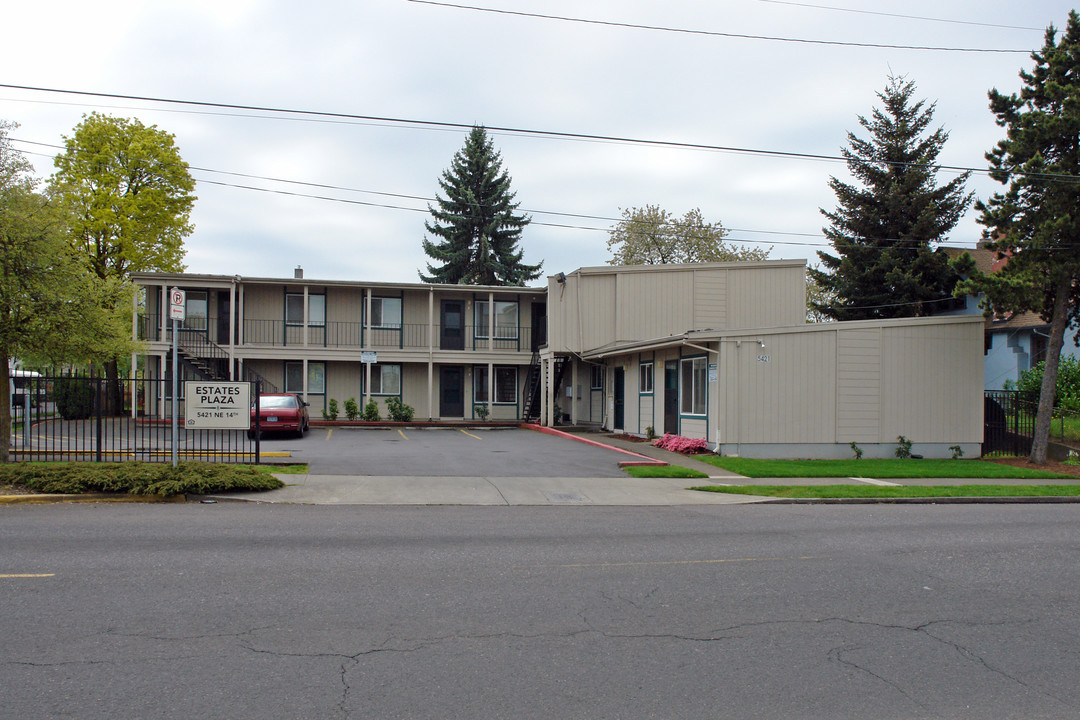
1008,422
90,419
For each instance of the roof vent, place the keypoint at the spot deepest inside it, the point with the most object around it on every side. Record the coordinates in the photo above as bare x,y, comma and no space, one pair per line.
298,273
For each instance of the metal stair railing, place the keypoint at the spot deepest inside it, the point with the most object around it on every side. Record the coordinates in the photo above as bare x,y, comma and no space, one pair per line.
199,350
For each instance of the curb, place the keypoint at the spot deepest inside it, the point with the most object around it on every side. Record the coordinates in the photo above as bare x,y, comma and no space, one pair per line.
642,460
41,498
1014,500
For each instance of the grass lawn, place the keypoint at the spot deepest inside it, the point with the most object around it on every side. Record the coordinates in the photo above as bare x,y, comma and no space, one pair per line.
662,471
874,468
910,491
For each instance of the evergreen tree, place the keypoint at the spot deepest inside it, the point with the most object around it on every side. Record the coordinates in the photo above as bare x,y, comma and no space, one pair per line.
882,230
1035,222
475,228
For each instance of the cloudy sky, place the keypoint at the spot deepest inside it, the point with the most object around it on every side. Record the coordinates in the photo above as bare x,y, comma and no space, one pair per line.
346,198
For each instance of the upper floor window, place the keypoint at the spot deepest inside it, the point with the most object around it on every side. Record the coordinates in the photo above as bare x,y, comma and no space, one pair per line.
195,310
506,319
386,312
294,309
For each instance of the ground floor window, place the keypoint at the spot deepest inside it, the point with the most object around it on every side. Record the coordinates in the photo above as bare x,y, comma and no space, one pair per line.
645,378
385,379
316,377
597,377
694,380
505,384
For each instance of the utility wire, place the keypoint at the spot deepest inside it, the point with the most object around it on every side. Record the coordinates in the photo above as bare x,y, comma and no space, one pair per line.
582,216
898,15
543,133
611,23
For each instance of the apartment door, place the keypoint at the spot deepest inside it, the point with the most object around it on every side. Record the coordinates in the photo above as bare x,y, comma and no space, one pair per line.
671,399
539,326
452,324
223,318
619,420
451,391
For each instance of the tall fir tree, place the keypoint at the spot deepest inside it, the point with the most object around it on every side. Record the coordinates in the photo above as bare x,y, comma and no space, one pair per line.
883,230
476,228
1035,222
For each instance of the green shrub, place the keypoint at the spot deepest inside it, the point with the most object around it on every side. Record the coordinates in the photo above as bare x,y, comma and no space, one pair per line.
74,397
903,447
481,411
371,411
857,450
399,411
137,478
1067,391
331,410
352,410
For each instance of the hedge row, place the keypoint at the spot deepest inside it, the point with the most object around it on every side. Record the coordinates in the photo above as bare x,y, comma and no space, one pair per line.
137,478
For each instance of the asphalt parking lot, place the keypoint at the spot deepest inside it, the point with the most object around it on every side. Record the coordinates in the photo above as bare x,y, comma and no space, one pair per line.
447,452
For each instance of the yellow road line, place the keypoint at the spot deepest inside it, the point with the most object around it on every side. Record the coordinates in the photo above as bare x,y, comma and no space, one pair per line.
28,575
470,434
402,434
329,432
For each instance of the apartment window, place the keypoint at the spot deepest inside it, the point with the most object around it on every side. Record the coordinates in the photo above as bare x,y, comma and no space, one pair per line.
195,310
506,319
316,377
645,378
385,312
597,377
506,390
294,309
385,379
693,377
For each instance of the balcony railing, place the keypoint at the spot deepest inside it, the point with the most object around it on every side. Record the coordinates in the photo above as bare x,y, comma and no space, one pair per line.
414,336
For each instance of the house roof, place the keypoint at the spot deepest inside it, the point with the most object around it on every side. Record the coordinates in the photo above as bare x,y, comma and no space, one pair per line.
203,280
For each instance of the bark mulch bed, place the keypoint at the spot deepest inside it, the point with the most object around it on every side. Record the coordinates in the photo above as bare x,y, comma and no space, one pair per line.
1051,465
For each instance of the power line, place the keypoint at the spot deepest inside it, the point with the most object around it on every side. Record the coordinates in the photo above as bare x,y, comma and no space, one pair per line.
898,15
538,133
603,218
713,33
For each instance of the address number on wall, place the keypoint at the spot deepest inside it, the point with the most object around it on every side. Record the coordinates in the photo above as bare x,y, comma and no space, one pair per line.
763,358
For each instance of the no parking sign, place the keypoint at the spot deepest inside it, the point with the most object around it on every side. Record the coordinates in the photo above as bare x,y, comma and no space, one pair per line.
177,304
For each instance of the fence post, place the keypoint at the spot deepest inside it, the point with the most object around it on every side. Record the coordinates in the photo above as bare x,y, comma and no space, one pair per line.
98,405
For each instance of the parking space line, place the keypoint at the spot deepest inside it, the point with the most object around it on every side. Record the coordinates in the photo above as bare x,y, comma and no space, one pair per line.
329,432
402,434
28,575
470,434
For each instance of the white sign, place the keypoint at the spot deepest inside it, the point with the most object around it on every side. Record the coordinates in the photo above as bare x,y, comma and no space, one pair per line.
217,405
177,304
712,372
368,357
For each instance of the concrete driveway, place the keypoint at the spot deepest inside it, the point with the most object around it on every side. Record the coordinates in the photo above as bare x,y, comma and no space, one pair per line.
468,466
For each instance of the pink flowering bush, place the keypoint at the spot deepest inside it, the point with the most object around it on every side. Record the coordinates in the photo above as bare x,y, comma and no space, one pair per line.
680,444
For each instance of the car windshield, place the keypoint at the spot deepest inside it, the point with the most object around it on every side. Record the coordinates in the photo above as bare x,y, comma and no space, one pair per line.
277,401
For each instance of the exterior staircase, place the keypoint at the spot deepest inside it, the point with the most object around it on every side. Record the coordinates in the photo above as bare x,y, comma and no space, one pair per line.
531,409
211,361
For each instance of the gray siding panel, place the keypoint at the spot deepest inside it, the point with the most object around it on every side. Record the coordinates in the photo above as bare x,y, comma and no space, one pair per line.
858,375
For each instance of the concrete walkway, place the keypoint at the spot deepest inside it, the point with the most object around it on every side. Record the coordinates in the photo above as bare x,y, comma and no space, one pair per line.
373,490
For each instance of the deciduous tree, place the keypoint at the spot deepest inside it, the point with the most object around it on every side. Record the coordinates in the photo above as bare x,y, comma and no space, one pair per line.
51,308
884,228
1035,222
127,194
653,236
476,227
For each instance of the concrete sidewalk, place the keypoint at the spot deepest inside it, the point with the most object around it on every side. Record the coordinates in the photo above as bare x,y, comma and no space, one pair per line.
373,490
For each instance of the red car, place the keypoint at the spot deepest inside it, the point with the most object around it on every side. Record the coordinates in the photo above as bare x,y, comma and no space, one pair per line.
281,412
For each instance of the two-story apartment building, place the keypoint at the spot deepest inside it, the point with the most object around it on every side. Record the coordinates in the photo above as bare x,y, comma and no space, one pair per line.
442,349
719,351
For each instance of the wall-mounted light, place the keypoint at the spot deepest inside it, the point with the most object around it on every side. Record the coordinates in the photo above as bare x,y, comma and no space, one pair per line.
761,343
560,278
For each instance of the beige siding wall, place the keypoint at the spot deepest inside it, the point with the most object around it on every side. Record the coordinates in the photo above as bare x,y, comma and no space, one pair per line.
710,299
858,380
784,392
931,383
693,428
343,304
645,414
639,316
263,302
762,296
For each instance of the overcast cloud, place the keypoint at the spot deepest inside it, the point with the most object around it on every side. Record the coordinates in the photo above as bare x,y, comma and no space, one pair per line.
399,59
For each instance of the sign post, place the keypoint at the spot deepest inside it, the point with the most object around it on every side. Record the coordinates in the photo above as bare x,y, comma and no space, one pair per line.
177,309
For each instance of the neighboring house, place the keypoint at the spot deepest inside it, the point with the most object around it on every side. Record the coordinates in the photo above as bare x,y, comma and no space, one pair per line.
1015,342
719,351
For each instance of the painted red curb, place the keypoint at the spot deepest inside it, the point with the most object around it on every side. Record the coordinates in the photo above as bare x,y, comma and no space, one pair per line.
643,459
